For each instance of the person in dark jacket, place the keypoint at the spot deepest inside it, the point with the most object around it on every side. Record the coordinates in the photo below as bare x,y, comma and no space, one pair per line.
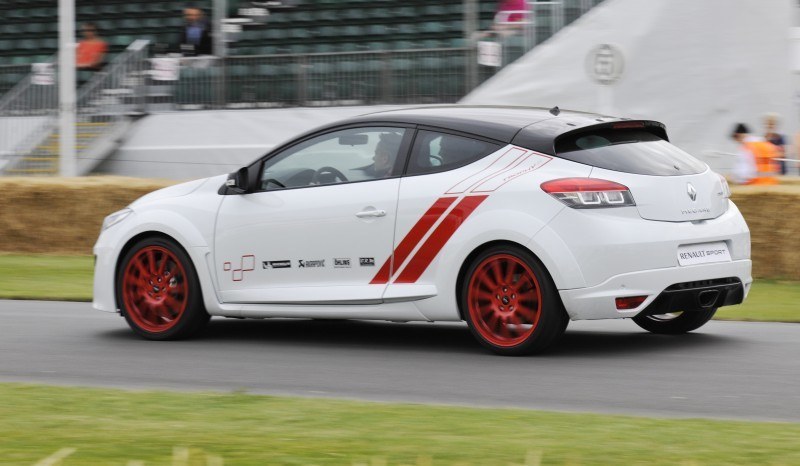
196,34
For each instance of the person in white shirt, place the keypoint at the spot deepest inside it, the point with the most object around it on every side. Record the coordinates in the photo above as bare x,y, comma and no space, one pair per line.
744,169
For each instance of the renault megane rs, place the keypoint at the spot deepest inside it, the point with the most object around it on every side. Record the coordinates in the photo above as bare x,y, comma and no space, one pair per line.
515,220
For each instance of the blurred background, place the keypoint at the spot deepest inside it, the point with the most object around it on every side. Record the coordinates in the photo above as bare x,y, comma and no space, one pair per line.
185,89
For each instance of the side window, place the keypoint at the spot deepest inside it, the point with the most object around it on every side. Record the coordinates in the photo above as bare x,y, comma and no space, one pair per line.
355,154
436,152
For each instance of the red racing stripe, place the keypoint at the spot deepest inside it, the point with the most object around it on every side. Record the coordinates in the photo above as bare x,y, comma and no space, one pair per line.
413,238
436,241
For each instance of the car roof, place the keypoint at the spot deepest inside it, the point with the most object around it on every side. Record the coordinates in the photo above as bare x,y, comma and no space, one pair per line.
530,127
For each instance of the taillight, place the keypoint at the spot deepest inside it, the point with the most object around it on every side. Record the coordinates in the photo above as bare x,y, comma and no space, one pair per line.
629,302
589,193
726,189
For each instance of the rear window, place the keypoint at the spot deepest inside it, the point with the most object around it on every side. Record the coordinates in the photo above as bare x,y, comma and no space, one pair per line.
628,150
436,152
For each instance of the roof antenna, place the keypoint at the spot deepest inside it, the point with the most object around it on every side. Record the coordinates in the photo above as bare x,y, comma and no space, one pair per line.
555,111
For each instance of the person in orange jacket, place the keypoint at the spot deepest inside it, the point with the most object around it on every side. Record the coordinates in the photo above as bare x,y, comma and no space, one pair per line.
91,51
755,164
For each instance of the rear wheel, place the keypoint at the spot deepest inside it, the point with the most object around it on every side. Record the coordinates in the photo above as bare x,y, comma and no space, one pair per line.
675,323
158,291
510,302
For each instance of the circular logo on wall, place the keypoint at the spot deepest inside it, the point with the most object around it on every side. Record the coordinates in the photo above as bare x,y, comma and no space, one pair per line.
605,64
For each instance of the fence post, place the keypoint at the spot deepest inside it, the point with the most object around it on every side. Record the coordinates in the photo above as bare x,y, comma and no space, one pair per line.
470,28
386,77
302,80
66,87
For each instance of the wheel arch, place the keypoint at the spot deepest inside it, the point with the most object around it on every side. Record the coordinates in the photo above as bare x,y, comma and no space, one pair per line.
129,244
462,272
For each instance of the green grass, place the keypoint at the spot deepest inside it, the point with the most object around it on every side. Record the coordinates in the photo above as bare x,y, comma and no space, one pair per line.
70,278
66,278
769,300
110,427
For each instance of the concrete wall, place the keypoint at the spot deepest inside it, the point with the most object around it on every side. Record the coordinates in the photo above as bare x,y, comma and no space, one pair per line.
190,145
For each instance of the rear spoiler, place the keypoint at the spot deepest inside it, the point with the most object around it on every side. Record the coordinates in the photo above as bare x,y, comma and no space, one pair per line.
650,126
542,136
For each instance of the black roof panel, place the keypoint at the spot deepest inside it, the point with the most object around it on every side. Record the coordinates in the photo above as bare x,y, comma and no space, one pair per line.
529,127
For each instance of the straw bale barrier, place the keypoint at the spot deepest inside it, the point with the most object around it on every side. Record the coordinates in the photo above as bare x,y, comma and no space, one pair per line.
773,215
63,216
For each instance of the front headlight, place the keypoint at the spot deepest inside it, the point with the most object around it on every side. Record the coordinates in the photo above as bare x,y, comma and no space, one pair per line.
115,218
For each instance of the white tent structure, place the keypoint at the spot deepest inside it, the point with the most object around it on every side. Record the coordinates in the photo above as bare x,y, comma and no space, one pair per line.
699,66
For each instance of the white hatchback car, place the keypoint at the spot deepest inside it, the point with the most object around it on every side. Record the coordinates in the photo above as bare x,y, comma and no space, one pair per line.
513,219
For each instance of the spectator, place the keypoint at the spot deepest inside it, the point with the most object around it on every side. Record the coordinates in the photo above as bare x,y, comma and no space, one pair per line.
754,162
196,35
770,124
509,19
511,16
91,52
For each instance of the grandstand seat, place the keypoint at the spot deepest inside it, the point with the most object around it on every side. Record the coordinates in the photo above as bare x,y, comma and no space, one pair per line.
29,29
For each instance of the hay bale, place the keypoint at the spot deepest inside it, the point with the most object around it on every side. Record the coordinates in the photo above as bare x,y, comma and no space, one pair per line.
62,215
773,215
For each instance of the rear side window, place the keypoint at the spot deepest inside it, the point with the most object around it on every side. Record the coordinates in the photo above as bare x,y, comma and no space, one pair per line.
628,150
435,152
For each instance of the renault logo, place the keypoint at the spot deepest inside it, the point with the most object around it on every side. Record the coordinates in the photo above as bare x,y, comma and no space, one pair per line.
691,191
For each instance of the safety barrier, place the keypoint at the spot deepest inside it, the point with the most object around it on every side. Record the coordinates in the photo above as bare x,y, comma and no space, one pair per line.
318,79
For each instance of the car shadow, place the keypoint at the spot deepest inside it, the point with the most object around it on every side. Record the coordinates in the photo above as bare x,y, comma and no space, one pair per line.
343,333
440,337
605,343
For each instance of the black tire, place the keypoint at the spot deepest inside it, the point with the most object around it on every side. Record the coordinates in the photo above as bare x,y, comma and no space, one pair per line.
510,302
158,291
675,324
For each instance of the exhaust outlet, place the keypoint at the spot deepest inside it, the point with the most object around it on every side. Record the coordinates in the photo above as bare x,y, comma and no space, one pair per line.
707,298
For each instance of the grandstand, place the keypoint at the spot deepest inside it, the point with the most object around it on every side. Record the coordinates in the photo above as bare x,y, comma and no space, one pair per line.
29,28
317,53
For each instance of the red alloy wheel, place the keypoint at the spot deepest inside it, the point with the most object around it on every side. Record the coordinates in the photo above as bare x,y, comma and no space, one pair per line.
504,300
155,289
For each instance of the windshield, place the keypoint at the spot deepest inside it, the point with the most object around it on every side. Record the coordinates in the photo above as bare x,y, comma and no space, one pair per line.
630,151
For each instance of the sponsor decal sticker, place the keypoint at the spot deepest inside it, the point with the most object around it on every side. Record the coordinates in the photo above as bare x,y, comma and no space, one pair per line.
366,261
341,263
309,264
246,264
284,264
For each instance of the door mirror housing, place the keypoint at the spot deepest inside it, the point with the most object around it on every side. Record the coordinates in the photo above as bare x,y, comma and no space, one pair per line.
239,181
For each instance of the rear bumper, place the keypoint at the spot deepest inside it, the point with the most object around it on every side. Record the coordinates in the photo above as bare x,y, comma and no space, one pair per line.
599,302
697,296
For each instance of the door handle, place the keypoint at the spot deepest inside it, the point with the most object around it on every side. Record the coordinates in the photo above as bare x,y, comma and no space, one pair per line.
371,213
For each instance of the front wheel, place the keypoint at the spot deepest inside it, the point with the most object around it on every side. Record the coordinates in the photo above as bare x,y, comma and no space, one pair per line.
158,291
510,303
675,323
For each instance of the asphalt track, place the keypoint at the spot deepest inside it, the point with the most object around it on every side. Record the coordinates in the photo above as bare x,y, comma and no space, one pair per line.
731,370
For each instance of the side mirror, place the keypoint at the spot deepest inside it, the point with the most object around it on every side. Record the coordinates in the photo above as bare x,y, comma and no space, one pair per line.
239,181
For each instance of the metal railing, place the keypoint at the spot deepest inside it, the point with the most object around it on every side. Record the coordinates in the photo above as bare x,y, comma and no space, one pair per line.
11,75
26,110
547,18
724,162
519,31
29,112
119,89
316,79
